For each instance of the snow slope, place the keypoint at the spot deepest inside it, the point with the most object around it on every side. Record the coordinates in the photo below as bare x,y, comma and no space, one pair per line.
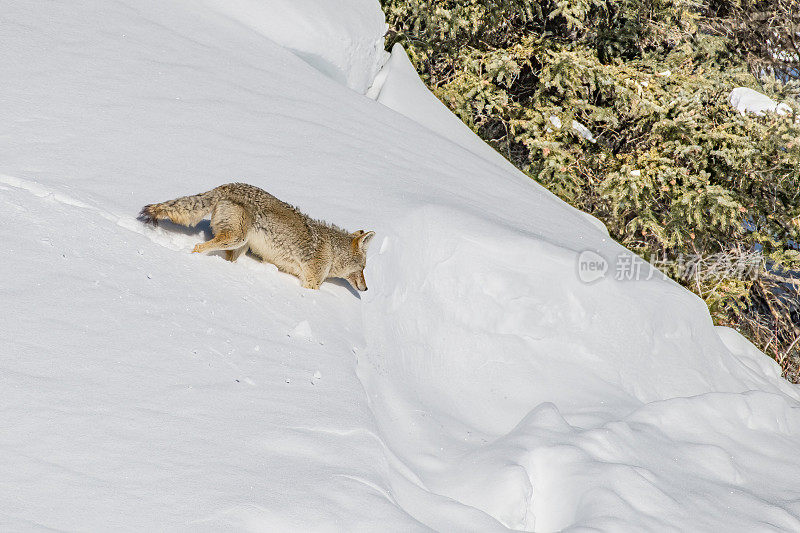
479,385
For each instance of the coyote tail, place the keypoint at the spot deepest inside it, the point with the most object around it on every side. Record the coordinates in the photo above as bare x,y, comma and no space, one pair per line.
186,210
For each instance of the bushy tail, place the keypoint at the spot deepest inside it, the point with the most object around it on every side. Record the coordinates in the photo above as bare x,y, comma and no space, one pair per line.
186,210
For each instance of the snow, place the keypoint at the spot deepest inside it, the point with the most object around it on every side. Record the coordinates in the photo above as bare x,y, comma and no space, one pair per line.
746,100
479,385
579,128
398,87
343,39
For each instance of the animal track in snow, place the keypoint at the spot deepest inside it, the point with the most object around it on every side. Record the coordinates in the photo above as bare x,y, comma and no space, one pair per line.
171,240
302,331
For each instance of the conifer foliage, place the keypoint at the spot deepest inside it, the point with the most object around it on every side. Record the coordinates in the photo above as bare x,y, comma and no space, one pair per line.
766,32
621,109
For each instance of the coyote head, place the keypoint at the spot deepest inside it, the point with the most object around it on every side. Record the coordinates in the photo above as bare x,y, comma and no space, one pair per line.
356,259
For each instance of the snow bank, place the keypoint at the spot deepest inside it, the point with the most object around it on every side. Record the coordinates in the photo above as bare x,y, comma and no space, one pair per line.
551,404
746,100
398,87
479,385
343,39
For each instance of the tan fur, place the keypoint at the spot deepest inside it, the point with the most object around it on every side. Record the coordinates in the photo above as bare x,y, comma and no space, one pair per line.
245,217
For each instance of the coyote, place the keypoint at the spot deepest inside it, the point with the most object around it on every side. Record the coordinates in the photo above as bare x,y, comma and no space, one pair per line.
245,217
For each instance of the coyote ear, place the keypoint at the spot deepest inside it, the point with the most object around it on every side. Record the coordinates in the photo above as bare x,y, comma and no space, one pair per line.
362,239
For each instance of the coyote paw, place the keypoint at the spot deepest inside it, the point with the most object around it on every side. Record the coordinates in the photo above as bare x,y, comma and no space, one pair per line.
196,249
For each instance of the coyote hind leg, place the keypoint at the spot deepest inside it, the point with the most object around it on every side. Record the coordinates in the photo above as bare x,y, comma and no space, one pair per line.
233,255
224,240
230,223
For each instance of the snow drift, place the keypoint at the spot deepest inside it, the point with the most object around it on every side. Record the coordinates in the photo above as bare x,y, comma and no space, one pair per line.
479,385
